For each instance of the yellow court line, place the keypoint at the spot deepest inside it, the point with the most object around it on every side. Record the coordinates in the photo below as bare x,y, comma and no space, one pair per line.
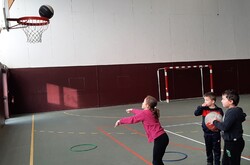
32,142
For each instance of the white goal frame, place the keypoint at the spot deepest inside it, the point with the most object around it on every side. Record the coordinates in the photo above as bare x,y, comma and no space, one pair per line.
183,67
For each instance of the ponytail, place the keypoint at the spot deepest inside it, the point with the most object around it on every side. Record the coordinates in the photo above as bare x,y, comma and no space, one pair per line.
156,113
152,102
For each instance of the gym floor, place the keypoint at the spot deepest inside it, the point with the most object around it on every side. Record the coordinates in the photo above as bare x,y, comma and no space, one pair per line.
88,136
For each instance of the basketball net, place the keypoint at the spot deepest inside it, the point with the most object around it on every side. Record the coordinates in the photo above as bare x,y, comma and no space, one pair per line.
34,33
33,27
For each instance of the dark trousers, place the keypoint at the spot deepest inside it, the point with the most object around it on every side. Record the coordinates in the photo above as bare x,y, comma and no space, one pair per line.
160,145
232,152
213,147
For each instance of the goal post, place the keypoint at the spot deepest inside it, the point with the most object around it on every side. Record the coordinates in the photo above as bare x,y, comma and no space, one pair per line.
165,69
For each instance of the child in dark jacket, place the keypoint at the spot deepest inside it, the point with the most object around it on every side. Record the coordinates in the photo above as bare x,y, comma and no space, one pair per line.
231,128
212,138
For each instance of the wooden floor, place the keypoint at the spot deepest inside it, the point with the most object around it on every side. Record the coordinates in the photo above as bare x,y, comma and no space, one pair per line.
88,136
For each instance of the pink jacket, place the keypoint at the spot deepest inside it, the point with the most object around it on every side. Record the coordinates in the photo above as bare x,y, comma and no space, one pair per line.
151,125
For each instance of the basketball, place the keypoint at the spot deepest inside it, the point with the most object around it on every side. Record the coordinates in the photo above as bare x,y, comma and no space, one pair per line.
210,117
46,11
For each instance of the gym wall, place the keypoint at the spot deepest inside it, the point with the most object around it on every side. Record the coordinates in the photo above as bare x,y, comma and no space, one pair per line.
117,32
100,53
61,88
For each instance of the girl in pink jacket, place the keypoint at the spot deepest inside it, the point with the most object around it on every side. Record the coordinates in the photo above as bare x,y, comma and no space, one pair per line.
149,117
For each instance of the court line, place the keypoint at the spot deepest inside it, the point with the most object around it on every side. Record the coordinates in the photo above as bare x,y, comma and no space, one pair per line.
32,142
115,117
184,137
102,117
246,135
184,116
125,146
177,125
194,123
243,157
176,144
133,130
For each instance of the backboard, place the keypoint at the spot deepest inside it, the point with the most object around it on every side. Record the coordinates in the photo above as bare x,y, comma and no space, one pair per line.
5,5
33,26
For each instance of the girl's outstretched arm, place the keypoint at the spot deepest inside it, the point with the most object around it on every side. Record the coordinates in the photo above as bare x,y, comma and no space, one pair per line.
129,110
117,123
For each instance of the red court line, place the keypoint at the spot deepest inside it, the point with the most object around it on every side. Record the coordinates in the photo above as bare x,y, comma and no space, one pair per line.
134,131
175,144
125,147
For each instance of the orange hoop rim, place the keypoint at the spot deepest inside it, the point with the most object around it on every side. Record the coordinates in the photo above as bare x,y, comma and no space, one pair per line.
25,21
30,20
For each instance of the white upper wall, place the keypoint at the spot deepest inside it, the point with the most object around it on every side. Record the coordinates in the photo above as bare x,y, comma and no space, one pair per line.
103,32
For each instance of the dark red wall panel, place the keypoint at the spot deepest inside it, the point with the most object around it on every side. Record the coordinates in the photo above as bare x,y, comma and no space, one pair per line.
124,84
243,77
61,88
49,89
225,74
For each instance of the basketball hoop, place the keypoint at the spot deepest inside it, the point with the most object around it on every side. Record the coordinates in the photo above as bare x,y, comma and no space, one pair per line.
33,27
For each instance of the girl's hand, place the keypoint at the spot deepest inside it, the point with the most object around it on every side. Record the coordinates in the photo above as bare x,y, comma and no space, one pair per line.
129,110
117,123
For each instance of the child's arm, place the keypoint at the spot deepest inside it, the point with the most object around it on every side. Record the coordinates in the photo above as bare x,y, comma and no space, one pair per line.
129,110
134,111
130,120
227,123
199,110
117,123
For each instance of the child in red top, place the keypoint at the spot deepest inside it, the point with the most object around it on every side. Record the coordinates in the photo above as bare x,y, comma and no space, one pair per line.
212,138
149,117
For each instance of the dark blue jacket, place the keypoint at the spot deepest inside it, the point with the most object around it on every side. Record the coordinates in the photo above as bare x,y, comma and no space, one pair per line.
232,124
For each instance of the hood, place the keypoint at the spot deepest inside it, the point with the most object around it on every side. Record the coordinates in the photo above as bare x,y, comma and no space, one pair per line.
242,115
